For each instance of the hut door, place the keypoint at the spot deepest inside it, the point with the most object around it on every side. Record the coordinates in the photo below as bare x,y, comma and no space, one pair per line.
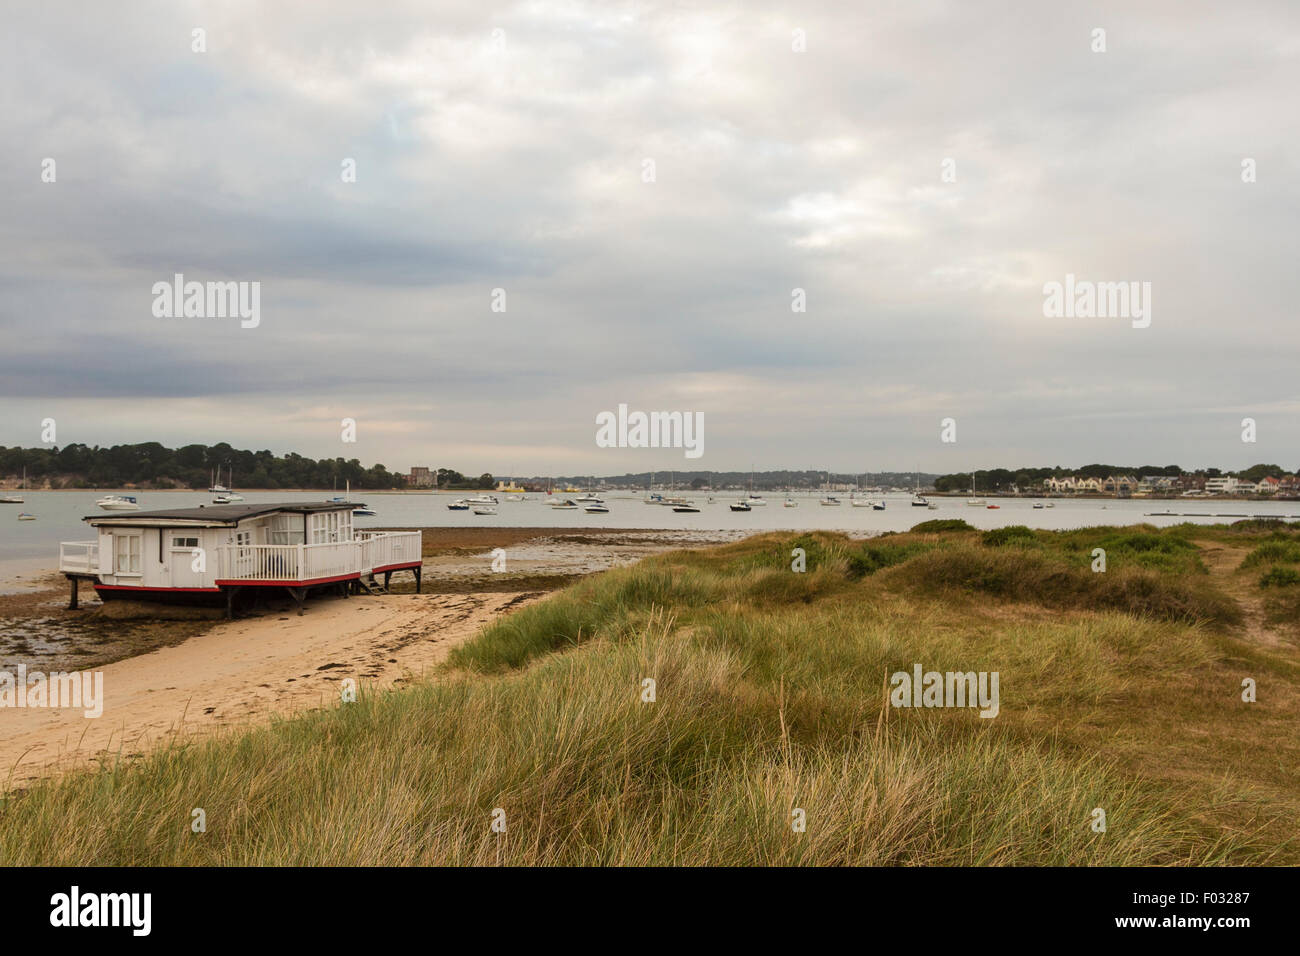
181,561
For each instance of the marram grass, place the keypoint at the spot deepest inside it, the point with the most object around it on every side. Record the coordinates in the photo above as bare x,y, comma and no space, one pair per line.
1120,693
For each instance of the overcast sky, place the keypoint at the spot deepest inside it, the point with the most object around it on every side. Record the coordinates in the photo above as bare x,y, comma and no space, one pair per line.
503,145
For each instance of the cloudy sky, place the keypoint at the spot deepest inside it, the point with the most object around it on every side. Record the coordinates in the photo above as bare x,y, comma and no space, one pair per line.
505,146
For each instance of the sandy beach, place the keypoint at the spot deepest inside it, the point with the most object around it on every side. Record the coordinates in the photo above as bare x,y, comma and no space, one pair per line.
166,680
246,671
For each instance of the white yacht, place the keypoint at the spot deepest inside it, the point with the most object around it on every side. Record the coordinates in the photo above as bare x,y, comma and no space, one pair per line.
488,501
831,501
118,503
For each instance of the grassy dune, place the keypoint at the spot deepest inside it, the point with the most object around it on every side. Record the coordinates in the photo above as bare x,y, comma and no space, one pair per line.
1119,691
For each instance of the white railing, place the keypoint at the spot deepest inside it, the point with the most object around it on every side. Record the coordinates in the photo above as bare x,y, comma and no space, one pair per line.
260,562
79,557
388,548
309,562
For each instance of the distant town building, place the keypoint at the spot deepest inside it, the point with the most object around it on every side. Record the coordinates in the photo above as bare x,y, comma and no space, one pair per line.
1223,485
420,477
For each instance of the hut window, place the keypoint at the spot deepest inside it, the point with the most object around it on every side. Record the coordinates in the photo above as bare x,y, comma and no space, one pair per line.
188,544
325,527
285,530
126,550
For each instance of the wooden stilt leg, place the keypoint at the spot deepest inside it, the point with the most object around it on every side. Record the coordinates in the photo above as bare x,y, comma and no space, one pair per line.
388,576
230,603
417,580
72,601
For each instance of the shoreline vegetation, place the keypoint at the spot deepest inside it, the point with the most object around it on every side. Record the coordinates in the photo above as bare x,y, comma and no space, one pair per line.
150,466
1120,690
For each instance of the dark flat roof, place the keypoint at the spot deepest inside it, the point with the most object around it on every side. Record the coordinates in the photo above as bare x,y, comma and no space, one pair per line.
223,514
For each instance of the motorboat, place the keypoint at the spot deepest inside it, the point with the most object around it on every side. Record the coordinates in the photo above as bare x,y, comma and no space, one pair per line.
831,501
363,512
741,506
597,509
878,506
993,507
1038,504
1049,505
564,504
686,508
919,501
24,516
118,503
485,510
790,503
932,506
589,498
227,499
860,502
459,505
756,501
653,499
975,502
487,500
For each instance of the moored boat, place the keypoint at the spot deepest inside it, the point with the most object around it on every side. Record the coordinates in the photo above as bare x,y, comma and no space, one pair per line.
24,516
118,503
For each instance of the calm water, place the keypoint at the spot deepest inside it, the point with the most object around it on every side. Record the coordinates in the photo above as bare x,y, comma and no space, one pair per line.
59,514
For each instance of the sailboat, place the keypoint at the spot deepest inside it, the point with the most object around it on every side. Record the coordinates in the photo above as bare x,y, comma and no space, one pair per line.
829,500
753,500
972,501
16,499
221,495
918,499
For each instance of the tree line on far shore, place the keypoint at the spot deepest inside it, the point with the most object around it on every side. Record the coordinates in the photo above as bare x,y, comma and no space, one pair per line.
151,465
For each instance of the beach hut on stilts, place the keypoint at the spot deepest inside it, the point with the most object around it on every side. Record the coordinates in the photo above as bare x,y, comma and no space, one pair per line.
227,554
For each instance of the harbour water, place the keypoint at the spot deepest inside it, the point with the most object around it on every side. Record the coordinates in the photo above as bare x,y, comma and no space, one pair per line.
59,514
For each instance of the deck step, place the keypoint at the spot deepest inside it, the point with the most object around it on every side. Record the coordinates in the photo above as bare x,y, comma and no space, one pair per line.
372,586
